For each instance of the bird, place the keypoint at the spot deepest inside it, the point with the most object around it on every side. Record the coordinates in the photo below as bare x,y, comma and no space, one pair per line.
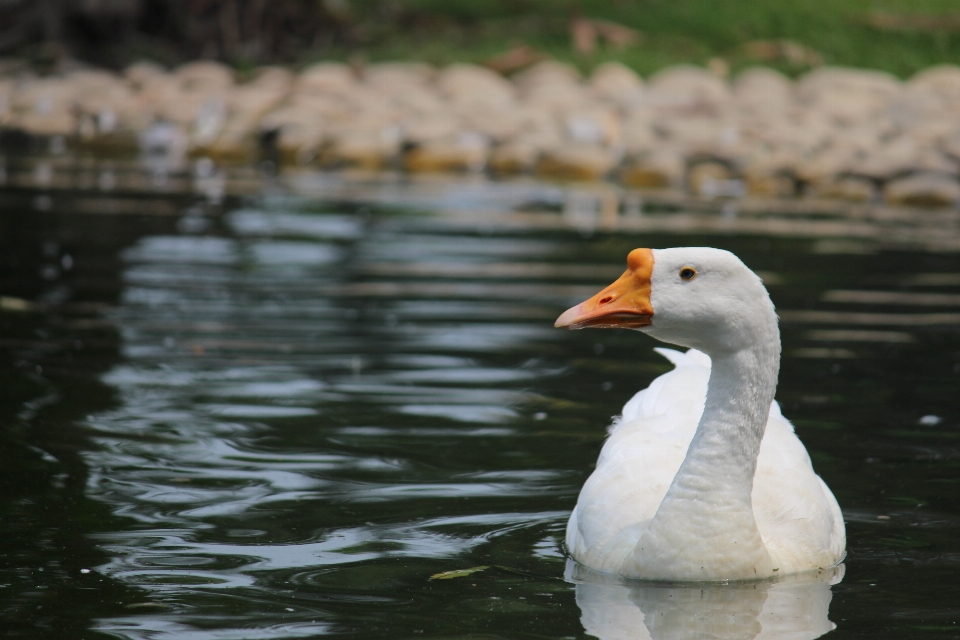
701,477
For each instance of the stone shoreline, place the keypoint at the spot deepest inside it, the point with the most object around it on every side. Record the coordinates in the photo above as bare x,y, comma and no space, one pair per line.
836,133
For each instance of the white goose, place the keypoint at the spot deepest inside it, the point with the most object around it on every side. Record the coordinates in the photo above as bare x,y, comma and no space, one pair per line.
702,478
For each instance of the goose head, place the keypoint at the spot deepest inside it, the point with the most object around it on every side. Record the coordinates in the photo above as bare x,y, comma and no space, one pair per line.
696,297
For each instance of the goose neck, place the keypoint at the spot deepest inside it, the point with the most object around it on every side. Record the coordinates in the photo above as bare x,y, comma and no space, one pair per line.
705,526
727,442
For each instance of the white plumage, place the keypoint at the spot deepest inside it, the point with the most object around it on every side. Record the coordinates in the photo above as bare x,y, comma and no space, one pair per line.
798,517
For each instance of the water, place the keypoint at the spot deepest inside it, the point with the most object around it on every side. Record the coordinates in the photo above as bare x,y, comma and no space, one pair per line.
241,407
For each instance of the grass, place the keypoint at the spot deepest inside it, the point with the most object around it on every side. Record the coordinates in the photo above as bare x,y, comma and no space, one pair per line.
899,36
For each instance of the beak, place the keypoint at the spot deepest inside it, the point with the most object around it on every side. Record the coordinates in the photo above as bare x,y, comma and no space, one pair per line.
625,304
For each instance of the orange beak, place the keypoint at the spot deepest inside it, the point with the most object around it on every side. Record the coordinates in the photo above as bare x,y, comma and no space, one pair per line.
625,304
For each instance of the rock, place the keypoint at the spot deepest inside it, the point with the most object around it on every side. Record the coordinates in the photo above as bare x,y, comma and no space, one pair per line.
577,162
700,135
514,156
661,168
201,101
547,72
770,172
297,131
238,141
160,95
93,80
593,126
932,160
396,77
420,130
887,160
420,100
326,79
942,80
107,111
520,153
923,190
921,110
846,188
804,132
759,90
44,107
928,126
838,131
827,164
557,99
687,89
950,145
276,77
900,156
848,79
7,88
848,96
552,87
253,100
770,185
465,151
867,137
139,73
501,125
465,84
638,134
848,107
927,108
195,97
618,84
364,148
713,179
205,77
336,109
246,106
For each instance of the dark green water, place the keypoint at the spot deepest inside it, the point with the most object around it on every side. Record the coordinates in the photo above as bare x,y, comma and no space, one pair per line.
277,414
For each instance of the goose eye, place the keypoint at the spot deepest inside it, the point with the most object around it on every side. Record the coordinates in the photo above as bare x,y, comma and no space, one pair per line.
688,273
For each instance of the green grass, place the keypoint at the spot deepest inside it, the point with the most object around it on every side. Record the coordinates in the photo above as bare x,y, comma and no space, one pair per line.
676,31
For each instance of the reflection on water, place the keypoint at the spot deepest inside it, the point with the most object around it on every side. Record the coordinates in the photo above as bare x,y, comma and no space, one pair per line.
794,607
245,398
278,415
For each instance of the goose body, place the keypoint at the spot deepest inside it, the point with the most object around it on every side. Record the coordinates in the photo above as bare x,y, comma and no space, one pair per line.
701,478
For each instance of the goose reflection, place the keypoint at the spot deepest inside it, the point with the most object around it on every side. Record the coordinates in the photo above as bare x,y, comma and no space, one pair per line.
794,607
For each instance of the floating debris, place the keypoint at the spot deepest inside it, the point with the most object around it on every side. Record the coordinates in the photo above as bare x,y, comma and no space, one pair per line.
458,573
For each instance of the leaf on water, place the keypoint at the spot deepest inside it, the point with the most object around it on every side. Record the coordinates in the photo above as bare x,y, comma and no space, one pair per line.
8,303
458,573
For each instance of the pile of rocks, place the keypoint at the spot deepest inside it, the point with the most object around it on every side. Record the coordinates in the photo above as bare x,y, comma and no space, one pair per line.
837,133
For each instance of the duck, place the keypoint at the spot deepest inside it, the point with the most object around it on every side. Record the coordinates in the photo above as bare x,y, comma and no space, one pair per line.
701,478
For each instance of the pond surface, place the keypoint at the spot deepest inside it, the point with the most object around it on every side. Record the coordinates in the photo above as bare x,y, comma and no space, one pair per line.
275,407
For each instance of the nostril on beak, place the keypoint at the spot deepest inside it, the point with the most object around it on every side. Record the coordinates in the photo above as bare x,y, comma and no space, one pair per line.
606,300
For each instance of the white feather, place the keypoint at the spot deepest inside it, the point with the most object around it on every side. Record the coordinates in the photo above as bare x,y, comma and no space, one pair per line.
798,517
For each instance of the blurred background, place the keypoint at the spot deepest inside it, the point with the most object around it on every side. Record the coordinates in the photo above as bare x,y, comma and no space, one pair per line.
278,281
900,36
